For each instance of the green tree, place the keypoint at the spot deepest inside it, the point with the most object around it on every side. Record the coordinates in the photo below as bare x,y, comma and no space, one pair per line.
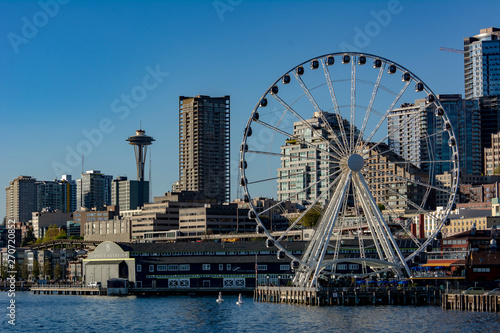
47,269
496,171
381,207
312,217
30,237
24,270
58,272
36,269
62,234
17,269
4,270
52,233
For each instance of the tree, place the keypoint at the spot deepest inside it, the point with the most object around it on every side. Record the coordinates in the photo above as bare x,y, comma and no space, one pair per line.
53,233
310,220
4,270
47,269
24,270
30,237
36,269
381,207
496,171
17,269
58,272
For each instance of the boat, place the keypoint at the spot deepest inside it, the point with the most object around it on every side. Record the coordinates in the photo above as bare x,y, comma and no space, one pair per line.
219,299
240,300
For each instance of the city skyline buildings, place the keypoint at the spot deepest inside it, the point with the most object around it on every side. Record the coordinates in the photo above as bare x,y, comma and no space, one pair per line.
46,79
93,190
204,146
419,120
482,64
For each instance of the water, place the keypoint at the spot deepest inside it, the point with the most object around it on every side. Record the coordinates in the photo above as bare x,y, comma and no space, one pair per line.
39,313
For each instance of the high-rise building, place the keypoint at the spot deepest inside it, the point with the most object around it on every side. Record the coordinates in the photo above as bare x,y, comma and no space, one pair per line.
204,154
303,175
490,118
57,194
492,156
48,195
482,64
93,190
129,194
21,199
68,192
413,127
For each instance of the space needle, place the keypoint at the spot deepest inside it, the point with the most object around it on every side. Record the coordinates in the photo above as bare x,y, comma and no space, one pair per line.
140,141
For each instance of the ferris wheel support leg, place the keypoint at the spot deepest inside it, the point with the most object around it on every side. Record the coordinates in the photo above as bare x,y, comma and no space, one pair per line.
383,233
316,249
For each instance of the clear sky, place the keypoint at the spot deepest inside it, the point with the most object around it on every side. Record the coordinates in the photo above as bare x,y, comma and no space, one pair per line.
79,76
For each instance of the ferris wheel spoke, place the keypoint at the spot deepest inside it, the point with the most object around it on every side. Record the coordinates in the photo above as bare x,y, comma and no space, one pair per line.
307,188
317,248
392,251
299,218
370,104
314,130
409,180
381,121
353,103
410,161
409,233
390,133
281,155
295,137
333,97
419,208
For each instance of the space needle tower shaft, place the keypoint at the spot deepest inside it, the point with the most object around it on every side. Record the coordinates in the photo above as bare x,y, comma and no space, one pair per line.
140,141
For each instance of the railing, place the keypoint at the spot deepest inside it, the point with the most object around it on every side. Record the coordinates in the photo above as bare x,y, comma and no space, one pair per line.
62,286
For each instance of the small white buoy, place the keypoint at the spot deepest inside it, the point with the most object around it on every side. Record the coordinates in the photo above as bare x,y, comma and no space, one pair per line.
240,300
219,299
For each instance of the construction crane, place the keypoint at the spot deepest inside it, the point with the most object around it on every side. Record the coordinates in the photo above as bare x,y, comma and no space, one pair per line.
451,50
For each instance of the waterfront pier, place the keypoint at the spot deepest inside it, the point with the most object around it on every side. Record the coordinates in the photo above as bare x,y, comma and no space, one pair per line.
460,301
63,289
349,296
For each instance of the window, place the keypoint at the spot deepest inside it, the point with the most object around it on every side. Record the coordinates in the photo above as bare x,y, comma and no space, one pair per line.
139,268
206,267
262,267
173,268
221,267
342,267
284,267
161,268
228,267
151,268
353,266
481,270
184,267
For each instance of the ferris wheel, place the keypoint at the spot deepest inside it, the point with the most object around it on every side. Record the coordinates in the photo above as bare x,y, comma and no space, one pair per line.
353,142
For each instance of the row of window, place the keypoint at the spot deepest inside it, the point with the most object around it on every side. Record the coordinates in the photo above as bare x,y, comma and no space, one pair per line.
205,267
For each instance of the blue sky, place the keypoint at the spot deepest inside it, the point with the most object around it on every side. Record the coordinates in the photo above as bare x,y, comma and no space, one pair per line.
80,75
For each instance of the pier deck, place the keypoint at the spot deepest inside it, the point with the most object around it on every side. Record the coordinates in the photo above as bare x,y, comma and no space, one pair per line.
349,296
459,301
52,289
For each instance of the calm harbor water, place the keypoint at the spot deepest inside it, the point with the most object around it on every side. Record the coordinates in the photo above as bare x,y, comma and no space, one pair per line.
39,313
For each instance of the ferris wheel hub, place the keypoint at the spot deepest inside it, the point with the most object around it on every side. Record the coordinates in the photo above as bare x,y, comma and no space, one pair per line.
355,162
